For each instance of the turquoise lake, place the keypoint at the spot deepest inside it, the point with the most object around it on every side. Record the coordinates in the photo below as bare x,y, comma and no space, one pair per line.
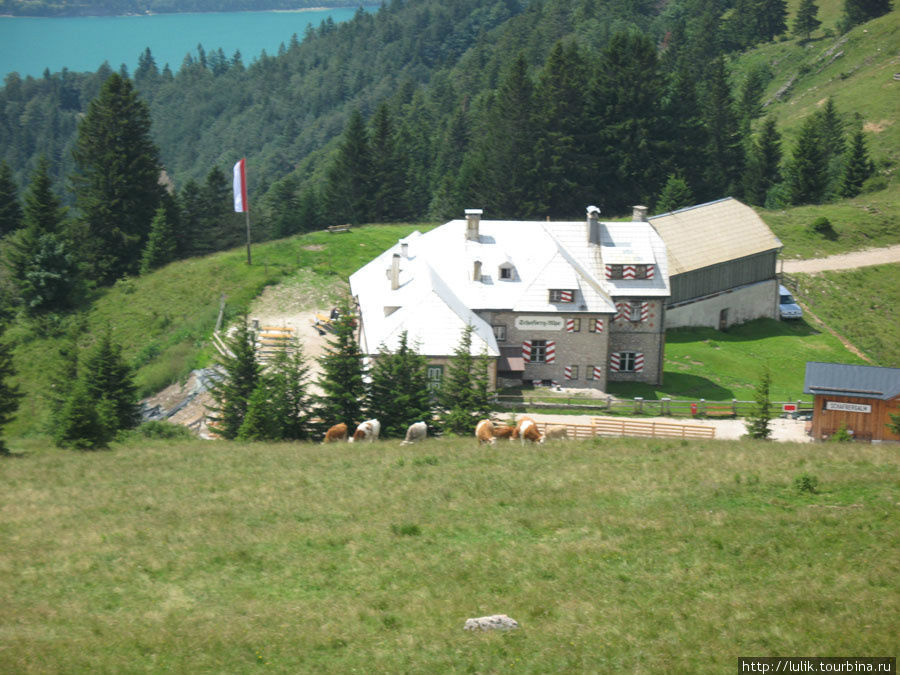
28,45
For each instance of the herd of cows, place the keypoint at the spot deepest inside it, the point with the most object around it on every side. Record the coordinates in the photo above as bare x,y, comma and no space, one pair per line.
526,429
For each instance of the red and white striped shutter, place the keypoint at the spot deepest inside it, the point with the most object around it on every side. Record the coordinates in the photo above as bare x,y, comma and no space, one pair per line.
598,325
628,272
645,311
537,383
598,373
614,362
568,372
550,353
526,350
638,362
609,271
570,325
623,311
651,269
567,296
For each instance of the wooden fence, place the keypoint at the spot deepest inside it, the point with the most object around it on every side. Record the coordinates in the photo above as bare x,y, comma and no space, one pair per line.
610,426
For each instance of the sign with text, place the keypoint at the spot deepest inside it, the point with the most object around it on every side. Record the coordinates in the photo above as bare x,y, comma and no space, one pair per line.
848,407
539,323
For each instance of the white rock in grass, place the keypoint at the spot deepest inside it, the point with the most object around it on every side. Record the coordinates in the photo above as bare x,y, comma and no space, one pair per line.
495,622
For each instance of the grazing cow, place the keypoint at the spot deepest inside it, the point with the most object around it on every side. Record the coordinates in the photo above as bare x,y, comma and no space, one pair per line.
484,432
505,431
526,430
367,431
416,432
555,432
336,433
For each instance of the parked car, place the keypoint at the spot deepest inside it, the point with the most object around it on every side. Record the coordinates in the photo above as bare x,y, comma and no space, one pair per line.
787,306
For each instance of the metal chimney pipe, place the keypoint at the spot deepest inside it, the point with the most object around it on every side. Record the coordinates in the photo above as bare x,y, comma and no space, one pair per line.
395,272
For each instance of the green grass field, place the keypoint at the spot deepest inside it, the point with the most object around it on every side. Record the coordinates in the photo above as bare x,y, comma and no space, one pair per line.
614,556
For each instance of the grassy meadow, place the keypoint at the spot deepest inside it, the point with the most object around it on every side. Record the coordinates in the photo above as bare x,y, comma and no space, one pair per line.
613,555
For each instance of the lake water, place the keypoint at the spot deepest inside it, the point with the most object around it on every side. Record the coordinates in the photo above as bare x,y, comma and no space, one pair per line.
28,45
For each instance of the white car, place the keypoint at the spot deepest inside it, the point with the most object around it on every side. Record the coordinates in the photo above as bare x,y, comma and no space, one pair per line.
787,306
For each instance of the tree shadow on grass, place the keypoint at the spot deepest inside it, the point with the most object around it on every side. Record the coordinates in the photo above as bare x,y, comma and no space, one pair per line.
758,329
675,385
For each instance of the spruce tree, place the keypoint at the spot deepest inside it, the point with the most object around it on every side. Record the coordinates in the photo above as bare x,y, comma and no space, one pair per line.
764,164
240,375
758,420
725,150
260,423
675,194
84,423
834,143
860,11
341,380
9,391
109,377
398,391
348,183
806,22
807,172
857,167
388,170
10,208
161,247
464,398
287,379
116,181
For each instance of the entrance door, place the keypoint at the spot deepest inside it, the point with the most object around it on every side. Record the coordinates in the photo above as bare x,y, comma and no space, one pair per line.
723,319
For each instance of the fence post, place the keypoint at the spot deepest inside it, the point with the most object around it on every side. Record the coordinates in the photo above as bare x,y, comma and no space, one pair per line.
638,404
702,406
609,402
666,409
734,406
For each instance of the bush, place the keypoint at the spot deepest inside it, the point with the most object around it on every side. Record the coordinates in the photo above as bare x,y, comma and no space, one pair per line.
822,226
806,483
163,430
841,435
874,184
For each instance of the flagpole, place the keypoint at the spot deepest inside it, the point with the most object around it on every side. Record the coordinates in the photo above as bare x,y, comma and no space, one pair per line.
247,213
241,202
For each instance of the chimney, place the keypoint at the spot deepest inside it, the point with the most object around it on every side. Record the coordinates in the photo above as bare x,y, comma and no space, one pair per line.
476,271
404,249
638,214
395,272
473,219
593,225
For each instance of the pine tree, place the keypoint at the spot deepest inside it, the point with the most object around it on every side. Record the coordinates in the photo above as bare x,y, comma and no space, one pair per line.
341,379
806,22
260,422
240,375
860,11
388,170
161,246
675,194
84,423
758,420
289,401
10,208
687,142
771,18
398,392
857,168
9,391
764,164
116,182
807,172
464,397
348,186
109,377
725,150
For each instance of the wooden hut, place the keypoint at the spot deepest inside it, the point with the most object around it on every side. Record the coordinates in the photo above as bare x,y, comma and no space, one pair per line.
859,398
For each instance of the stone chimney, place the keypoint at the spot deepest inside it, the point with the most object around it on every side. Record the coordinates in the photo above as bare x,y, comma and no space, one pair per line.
638,214
473,220
476,271
395,272
593,225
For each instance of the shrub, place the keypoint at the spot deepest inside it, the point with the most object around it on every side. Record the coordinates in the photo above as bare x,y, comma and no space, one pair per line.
806,483
822,226
841,435
874,184
163,430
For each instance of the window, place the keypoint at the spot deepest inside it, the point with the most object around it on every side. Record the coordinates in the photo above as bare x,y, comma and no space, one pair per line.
500,333
558,295
538,351
629,271
435,376
595,325
640,271
573,325
571,372
589,372
506,273
615,271
634,311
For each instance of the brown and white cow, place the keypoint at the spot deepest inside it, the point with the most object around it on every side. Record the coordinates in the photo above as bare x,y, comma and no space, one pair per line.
527,430
336,433
367,431
484,432
416,432
504,431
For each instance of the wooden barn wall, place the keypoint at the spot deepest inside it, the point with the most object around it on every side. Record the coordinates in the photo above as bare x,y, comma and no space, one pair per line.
870,425
721,277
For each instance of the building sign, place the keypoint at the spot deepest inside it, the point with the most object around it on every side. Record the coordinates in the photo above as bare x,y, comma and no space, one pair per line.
539,323
848,407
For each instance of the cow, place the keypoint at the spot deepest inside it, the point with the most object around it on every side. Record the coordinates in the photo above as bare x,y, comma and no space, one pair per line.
484,432
416,432
527,430
367,431
555,432
504,431
336,433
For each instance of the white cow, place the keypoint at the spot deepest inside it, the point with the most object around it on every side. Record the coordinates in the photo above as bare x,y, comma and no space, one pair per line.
367,431
416,432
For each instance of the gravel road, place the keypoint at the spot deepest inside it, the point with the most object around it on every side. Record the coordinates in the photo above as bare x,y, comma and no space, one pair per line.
844,261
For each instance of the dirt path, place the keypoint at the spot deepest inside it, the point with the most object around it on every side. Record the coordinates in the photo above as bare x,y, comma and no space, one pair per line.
844,261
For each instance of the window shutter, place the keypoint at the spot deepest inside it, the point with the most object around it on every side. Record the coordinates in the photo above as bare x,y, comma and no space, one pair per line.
638,362
570,325
550,354
614,362
645,311
526,350
650,271
598,325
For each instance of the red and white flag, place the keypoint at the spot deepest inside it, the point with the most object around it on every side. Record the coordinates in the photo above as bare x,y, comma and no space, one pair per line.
240,187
